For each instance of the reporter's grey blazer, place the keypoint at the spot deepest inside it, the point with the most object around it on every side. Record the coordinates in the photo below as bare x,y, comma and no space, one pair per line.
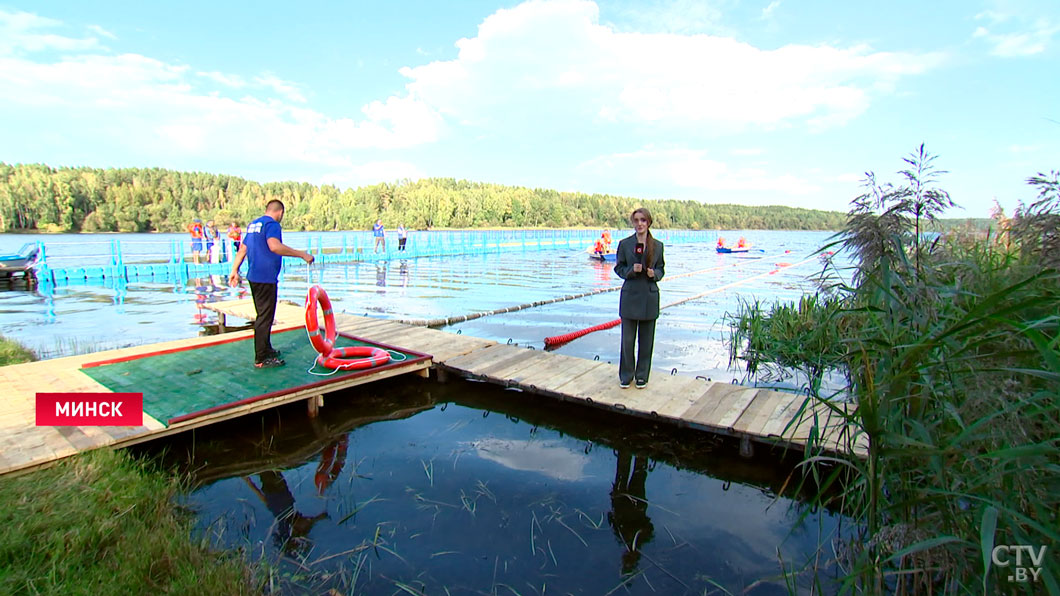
640,295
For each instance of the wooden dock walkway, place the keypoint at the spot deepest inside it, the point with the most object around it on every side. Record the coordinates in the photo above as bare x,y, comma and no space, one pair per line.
25,446
752,415
748,413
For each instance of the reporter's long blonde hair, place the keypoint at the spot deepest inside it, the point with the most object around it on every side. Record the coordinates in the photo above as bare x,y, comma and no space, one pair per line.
649,246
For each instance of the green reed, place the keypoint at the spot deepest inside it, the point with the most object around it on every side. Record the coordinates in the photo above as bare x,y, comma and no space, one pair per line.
951,352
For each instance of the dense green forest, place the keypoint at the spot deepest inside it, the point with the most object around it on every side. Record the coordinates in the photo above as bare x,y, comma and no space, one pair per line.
36,197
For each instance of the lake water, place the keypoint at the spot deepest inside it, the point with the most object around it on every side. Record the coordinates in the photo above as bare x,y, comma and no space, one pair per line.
688,338
409,486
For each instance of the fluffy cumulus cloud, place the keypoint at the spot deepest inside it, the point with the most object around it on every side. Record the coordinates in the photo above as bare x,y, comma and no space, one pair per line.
164,109
696,170
543,54
541,67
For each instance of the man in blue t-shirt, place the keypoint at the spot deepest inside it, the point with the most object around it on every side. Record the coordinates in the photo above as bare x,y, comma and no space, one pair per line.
380,236
264,248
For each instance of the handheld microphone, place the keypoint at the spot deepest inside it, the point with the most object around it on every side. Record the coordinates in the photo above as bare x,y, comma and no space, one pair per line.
640,252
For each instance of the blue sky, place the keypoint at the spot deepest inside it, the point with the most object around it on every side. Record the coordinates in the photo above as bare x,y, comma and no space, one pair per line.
769,102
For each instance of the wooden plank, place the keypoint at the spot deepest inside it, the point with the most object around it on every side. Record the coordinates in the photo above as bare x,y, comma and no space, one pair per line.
742,399
538,369
764,404
778,421
708,400
727,401
517,359
591,384
681,394
555,380
480,359
531,358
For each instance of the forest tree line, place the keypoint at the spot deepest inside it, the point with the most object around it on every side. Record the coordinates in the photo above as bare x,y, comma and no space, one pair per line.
36,197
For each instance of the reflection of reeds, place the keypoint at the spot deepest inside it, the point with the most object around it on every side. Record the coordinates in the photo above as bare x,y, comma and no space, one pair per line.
428,469
357,509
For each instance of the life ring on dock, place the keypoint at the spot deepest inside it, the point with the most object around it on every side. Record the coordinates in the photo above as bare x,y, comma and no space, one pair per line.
325,343
342,358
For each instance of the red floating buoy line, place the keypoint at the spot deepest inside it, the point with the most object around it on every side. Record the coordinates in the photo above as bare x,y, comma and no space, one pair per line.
566,337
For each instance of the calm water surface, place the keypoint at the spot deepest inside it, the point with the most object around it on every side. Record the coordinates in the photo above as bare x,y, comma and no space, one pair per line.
689,337
408,486
466,488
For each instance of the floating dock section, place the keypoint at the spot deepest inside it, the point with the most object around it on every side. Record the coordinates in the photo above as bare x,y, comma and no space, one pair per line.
752,415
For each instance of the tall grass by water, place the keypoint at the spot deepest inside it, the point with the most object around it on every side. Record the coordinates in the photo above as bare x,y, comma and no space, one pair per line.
950,350
104,523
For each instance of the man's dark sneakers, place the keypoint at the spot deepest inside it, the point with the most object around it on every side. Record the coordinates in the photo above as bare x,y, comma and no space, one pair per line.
273,353
641,384
270,362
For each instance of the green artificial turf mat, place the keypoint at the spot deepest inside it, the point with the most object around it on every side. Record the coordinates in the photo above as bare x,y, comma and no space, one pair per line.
189,381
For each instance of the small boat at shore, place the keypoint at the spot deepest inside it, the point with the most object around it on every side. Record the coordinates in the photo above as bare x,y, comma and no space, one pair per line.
607,257
729,250
20,262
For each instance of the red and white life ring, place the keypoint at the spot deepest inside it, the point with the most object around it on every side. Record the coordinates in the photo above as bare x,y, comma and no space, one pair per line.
325,343
346,358
365,357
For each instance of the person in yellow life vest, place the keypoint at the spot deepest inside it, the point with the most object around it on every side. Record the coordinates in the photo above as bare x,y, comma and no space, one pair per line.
721,242
195,229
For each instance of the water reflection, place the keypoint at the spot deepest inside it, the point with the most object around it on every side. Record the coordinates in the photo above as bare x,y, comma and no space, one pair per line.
444,496
380,275
629,507
291,527
552,460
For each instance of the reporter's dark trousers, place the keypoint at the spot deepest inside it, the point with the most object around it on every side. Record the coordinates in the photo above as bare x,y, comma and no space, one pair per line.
265,307
643,334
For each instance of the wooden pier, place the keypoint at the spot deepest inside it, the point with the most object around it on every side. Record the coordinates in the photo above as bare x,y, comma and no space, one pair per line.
25,446
753,415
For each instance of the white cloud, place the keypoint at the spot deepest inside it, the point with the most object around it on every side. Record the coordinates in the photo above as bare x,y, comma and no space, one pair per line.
100,31
285,88
228,80
1024,37
1025,149
674,16
164,111
545,57
693,169
747,151
767,12
21,32
374,172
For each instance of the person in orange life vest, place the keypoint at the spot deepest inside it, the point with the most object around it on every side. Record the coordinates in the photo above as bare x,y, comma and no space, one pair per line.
721,242
235,235
195,229
599,248
741,243
606,236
